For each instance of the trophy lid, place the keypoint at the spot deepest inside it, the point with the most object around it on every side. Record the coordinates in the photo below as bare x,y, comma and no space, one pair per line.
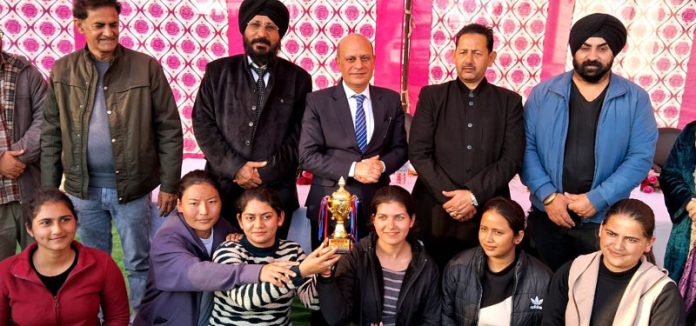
341,193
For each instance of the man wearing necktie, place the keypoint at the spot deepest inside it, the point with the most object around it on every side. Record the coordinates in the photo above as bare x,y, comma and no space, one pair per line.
351,130
248,112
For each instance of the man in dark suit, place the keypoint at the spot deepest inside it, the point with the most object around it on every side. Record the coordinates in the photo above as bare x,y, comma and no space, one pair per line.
248,112
466,143
352,130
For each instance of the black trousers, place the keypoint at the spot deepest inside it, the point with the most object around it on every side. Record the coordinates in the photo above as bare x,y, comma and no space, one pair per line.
557,245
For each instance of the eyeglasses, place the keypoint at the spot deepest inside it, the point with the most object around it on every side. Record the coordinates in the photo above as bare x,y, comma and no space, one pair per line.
256,25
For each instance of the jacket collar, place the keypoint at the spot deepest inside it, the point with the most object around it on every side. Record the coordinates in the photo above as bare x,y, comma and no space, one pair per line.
618,86
219,234
483,85
22,268
379,113
417,250
118,53
520,262
17,60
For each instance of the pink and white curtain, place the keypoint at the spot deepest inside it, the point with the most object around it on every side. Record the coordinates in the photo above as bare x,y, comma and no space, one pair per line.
532,44
531,40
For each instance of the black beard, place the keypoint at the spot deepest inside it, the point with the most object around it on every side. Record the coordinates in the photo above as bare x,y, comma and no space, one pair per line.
597,75
261,58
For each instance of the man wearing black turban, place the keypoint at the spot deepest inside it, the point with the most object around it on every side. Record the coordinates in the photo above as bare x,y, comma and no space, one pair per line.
591,138
248,112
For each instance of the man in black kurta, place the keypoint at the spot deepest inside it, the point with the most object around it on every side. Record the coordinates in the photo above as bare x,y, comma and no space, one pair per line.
466,143
248,112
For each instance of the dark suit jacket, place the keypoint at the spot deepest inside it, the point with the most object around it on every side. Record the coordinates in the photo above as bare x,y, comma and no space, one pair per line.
455,147
231,130
328,146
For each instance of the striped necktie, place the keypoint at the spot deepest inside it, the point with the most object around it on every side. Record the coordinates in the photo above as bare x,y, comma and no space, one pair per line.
360,124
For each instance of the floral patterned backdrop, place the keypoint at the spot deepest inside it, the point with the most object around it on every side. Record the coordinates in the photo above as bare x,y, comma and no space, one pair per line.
518,39
658,49
658,54
531,35
185,35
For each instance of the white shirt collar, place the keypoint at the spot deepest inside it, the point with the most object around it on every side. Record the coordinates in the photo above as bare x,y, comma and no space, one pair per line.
252,63
350,92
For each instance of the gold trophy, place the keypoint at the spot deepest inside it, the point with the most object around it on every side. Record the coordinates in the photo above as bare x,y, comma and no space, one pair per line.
340,205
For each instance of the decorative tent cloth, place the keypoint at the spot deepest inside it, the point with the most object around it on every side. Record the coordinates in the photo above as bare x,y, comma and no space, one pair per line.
531,40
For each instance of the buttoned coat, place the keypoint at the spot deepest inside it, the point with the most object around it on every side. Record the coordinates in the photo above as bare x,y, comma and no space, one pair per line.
231,130
453,146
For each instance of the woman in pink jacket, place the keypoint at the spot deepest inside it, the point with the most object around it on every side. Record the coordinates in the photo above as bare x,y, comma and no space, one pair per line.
57,281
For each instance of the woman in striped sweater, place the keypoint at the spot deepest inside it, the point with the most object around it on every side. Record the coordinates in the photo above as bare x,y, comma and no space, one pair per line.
264,303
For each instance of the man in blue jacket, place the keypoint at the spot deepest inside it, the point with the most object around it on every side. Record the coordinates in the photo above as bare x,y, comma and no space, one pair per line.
590,140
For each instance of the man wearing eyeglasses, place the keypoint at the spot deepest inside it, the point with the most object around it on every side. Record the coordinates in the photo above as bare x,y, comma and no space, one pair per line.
22,96
249,109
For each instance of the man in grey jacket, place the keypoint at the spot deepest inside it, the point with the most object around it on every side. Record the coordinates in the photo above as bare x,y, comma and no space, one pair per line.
22,96
112,128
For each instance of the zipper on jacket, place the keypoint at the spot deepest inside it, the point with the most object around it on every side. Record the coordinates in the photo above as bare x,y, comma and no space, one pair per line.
408,285
56,309
372,254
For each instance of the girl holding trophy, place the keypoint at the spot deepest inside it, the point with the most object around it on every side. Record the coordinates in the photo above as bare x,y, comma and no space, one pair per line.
387,277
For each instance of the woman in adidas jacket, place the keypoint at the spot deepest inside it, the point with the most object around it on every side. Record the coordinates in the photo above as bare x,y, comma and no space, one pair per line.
496,283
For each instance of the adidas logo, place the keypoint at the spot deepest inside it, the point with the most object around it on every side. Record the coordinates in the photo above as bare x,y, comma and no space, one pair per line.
536,303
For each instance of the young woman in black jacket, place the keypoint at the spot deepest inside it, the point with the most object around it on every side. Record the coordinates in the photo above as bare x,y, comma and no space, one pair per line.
387,277
496,283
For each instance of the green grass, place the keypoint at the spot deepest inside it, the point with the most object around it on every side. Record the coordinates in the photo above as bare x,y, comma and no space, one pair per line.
299,315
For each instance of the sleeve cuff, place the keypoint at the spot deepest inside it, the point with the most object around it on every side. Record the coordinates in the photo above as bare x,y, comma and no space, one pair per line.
545,191
597,200
351,172
473,199
299,278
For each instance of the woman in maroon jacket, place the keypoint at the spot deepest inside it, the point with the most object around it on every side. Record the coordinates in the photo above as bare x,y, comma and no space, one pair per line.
57,281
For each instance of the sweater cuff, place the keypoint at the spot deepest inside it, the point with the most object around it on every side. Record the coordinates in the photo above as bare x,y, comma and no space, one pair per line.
299,278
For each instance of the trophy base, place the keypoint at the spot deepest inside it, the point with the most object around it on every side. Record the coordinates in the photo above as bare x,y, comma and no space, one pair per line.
342,245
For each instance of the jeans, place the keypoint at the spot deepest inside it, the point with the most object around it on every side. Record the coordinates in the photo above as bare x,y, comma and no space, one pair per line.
557,245
133,224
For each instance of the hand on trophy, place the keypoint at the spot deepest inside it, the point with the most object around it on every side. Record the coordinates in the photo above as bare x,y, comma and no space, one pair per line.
278,273
368,170
320,260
